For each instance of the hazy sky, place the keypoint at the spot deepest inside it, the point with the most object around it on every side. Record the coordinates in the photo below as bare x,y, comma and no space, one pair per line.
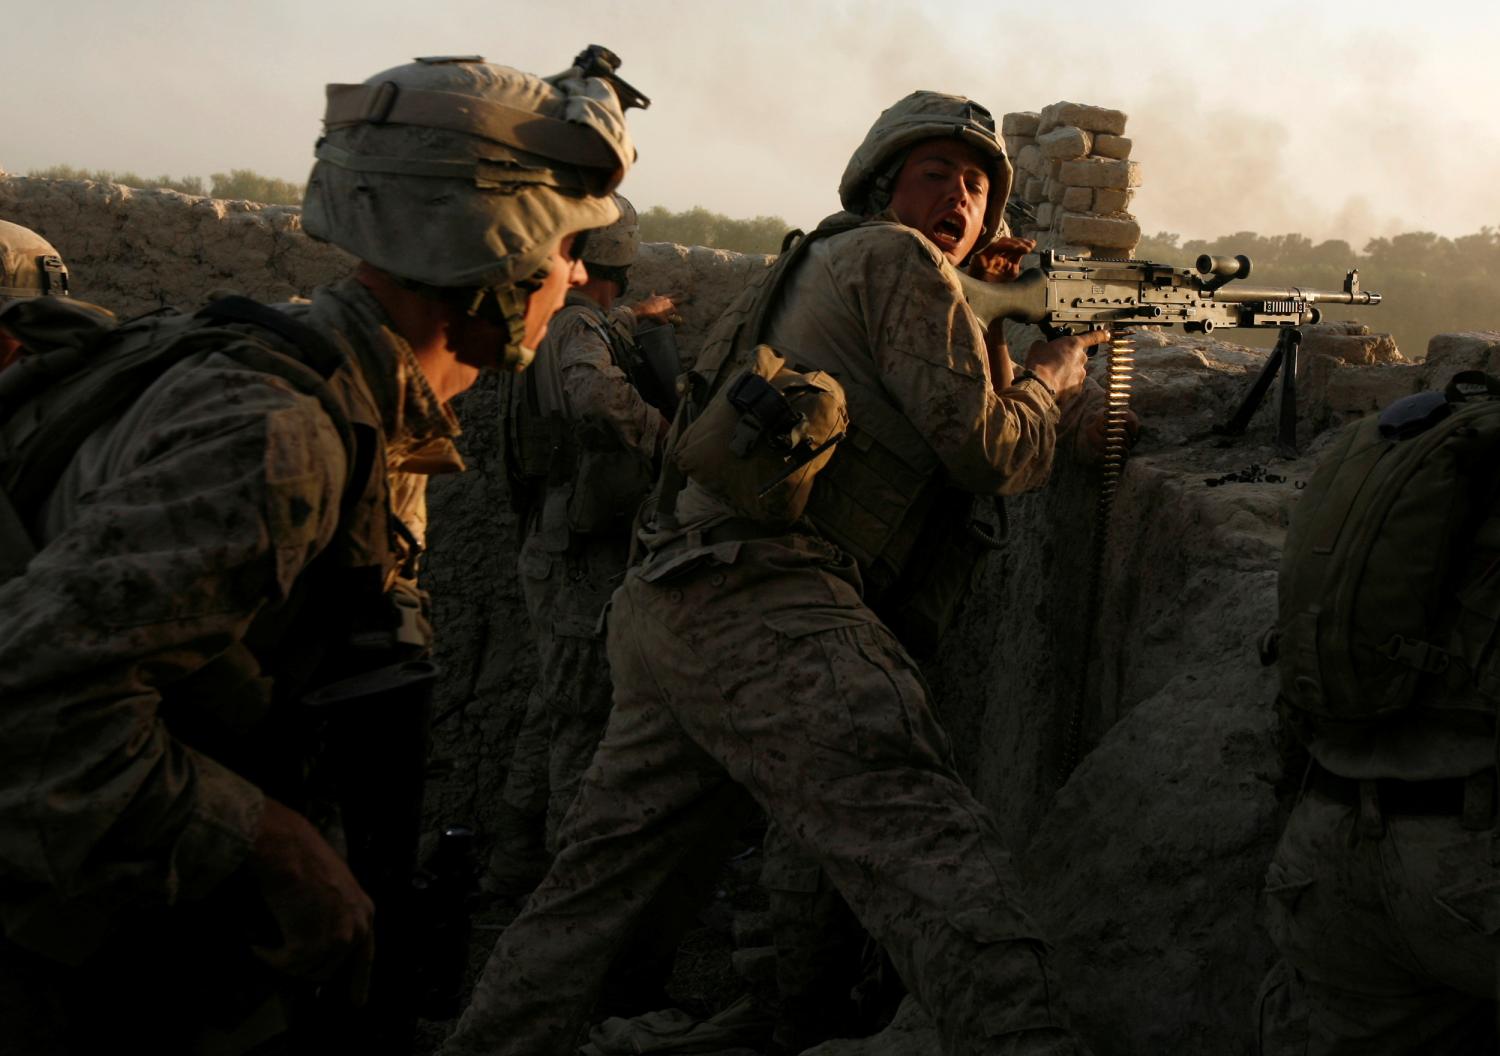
1331,119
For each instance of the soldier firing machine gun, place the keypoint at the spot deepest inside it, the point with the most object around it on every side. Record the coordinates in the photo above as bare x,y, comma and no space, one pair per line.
1066,294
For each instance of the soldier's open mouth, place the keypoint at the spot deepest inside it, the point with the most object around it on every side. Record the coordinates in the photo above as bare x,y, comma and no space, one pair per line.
948,232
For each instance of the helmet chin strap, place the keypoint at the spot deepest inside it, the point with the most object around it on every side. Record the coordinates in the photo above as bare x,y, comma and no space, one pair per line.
511,302
884,186
498,305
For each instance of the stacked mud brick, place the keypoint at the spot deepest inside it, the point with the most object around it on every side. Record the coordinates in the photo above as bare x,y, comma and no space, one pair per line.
1074,178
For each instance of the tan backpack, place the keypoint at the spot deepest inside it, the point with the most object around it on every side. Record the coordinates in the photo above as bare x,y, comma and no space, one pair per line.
1389,591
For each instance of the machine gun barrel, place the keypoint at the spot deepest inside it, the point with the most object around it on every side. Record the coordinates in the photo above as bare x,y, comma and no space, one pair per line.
1245,294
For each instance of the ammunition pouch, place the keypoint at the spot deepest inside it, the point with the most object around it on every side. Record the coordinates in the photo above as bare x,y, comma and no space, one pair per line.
537,440
764,437
874,498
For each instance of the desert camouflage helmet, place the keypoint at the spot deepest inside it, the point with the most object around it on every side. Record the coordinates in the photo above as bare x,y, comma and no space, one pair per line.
925,115
614,246
29,265
457,173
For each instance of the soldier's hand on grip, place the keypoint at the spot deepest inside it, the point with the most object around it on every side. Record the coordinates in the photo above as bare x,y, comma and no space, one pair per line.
1060,363
325,918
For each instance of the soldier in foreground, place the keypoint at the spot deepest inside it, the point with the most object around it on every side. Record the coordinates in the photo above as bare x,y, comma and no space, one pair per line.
37,310
1384,891
745,652
584,445
238,527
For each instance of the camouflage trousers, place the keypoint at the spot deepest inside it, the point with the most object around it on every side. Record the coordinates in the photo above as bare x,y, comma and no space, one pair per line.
566,591
829,983
1393,943
757,664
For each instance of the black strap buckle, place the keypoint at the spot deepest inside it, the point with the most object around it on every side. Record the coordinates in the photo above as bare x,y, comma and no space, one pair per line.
764,412
54,275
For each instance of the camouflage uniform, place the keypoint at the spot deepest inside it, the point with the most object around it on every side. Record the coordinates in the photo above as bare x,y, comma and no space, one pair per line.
757,662
240,527
1383,894
1389,916
567,575
185,526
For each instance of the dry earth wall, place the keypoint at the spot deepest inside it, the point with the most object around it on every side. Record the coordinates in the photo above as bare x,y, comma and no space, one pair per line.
1145,864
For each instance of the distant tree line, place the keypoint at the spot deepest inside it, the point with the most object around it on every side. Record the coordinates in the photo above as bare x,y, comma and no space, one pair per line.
701,227
236,183
1429,284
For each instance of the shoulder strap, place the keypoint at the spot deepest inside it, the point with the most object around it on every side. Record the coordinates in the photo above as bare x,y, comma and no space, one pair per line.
752,331
317,351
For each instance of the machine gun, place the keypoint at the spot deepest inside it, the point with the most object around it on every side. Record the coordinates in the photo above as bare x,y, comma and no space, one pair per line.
1073,294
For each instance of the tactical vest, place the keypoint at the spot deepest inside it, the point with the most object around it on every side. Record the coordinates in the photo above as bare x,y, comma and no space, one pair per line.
882,497
1389,588
576,476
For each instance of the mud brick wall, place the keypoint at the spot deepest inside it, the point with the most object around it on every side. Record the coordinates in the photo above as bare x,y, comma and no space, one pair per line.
1075,179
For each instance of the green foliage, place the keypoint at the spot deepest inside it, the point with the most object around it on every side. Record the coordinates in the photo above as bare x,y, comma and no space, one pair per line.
236,183
1429,284
253,187
185,184
700,227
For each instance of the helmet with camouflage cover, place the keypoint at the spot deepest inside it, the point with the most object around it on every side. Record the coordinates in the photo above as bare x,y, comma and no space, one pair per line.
614,246
871,174
29,265
457,176
610,251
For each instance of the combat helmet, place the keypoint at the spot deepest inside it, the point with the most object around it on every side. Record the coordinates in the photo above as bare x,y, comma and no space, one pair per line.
608,252
457,176
29,265
867,182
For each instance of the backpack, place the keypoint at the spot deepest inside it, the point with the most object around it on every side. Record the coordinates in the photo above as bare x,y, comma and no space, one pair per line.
1389,588
51,402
